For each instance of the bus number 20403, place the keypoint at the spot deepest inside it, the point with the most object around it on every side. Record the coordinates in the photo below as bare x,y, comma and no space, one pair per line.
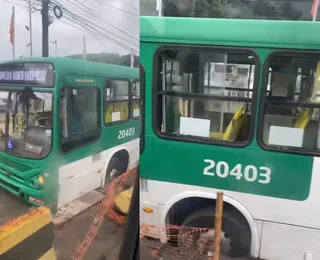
249,172
126,133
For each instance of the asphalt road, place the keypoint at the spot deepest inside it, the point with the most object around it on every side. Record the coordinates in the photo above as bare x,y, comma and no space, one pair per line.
69,236
11,207
108,239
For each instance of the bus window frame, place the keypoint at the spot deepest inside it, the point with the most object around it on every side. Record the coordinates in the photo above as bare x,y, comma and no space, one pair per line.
204,48
142,107
295,53
60,124
118,101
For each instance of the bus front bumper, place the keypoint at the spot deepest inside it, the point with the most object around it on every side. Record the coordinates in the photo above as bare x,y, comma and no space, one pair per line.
32,196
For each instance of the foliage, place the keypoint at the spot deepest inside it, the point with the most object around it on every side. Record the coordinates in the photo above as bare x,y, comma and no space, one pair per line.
241,9
111,58
148,8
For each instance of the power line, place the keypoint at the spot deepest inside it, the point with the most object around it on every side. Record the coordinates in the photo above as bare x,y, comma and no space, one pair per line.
119,9
93,26
133,7
100,39
90,24
104,34
92,30
97,15
82,22
15,3
115,22
91,18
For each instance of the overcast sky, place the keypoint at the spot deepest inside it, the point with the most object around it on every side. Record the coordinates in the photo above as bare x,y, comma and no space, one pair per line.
118,20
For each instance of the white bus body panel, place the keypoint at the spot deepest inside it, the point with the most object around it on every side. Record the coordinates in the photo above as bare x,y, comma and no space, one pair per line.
87,174
277,216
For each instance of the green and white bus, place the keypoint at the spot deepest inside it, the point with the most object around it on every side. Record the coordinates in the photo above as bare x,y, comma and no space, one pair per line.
233,106
67,127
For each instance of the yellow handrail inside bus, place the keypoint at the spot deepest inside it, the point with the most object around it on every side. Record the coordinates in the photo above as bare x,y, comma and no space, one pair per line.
233,128
303,119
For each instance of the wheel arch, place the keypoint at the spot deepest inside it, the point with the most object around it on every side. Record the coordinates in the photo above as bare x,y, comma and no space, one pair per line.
254,248
121,153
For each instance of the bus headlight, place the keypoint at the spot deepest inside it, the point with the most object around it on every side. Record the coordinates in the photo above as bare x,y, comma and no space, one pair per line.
37,182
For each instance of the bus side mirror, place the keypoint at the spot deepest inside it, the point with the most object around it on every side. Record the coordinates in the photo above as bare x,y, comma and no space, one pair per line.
76,91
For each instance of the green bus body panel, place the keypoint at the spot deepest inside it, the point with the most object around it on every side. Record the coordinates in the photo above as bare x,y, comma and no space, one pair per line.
230,32
66,70
183,162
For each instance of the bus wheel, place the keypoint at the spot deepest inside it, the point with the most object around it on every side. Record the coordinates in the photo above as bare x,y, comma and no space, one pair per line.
114,170
233,235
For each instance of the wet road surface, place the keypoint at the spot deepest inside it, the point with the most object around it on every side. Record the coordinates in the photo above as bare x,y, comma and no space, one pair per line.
68,236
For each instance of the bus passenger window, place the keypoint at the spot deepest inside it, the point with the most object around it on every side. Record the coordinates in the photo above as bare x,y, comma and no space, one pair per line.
292,102
80,115
116,99
207,95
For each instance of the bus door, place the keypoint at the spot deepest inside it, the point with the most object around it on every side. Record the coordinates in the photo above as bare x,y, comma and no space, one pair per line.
80,128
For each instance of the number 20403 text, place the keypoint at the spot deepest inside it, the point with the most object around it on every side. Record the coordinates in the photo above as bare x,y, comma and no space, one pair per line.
250,173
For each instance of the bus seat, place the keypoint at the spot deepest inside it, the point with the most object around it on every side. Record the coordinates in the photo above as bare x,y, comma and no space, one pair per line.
172,117
124,110
136,107
303,119
108,114
233,128
118,108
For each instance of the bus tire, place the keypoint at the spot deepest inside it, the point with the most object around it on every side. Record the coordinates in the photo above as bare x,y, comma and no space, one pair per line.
114,170
235,239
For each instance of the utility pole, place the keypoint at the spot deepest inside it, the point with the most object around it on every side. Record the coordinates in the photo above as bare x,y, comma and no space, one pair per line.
45,28
131,59
84,55
30,28
159,7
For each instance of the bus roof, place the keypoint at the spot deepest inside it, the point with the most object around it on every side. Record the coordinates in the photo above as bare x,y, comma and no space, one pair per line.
83,67
233,32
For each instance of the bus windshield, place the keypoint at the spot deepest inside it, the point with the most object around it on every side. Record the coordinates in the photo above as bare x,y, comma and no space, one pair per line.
26,123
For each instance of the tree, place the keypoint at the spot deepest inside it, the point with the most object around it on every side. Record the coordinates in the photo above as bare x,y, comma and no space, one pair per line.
148,7
195,8
110,58
241,9
263,9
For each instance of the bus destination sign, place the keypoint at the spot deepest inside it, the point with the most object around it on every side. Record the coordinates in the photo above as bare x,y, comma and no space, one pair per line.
35,74
21,75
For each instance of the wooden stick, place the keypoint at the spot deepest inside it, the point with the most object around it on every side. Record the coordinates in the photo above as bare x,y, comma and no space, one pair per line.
218,226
